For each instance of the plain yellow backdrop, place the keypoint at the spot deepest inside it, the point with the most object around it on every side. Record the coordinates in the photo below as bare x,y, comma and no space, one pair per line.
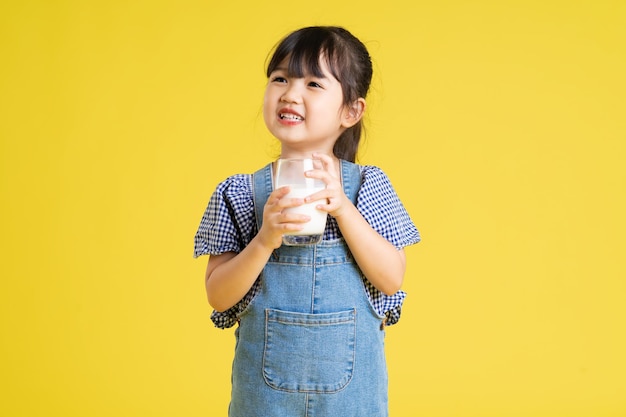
502,127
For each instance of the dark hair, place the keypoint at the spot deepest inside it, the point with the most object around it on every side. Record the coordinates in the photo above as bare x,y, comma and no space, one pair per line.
348,61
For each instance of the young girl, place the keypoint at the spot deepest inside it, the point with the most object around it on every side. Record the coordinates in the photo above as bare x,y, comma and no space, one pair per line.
311,319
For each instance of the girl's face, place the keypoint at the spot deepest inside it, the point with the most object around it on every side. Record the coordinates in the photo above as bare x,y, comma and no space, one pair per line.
305,114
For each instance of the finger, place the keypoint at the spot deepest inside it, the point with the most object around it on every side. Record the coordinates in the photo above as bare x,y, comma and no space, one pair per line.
320,195
276,196
285,203
294,219
280,192
329,178
329,163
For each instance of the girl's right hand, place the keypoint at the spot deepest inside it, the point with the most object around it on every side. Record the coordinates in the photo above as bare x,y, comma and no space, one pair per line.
277,222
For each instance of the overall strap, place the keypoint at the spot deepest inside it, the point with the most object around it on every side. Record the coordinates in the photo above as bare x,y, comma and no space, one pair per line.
351,179
262,186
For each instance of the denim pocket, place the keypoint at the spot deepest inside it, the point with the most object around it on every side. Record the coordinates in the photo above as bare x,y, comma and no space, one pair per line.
309,352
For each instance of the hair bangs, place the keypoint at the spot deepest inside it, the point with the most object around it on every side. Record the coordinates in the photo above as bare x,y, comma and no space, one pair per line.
302,55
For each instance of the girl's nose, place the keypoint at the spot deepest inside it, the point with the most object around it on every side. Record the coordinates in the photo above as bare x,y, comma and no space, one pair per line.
291,95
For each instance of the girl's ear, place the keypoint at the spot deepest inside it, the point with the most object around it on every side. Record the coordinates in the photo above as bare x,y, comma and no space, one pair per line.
353,113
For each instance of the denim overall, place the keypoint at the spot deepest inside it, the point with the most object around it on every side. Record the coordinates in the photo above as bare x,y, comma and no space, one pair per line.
309,343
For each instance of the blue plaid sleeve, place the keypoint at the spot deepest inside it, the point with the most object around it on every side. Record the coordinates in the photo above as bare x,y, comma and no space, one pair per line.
380,206
227,225
228,221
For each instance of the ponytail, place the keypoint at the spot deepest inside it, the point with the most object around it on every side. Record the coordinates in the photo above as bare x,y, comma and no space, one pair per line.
347,146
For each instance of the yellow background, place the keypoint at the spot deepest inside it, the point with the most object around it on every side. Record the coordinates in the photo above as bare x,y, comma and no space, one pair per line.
501,124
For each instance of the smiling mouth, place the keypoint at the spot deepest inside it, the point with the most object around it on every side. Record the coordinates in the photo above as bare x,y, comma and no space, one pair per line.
290,117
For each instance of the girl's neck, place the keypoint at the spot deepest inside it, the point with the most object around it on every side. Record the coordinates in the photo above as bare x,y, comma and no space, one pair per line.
298,154
291,155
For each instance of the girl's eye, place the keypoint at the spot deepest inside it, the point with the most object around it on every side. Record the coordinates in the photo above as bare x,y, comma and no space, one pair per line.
279,79
314,84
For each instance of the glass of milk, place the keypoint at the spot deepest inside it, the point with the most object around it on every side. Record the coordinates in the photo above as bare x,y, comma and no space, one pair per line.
290,172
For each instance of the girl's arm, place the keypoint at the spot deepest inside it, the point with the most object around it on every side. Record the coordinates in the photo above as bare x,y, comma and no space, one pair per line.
230,276
380,261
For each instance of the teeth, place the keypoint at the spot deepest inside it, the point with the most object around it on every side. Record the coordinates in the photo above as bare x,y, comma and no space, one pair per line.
290,116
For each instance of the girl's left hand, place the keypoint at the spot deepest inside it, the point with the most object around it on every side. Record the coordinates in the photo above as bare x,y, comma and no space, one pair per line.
336,199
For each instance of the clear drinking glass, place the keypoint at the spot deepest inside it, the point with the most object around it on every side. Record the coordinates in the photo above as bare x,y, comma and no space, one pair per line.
291,172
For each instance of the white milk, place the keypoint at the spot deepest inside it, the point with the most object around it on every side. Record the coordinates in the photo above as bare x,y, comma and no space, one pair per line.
318,217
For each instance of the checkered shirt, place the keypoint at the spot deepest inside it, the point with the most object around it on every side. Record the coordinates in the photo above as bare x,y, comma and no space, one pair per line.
228,225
